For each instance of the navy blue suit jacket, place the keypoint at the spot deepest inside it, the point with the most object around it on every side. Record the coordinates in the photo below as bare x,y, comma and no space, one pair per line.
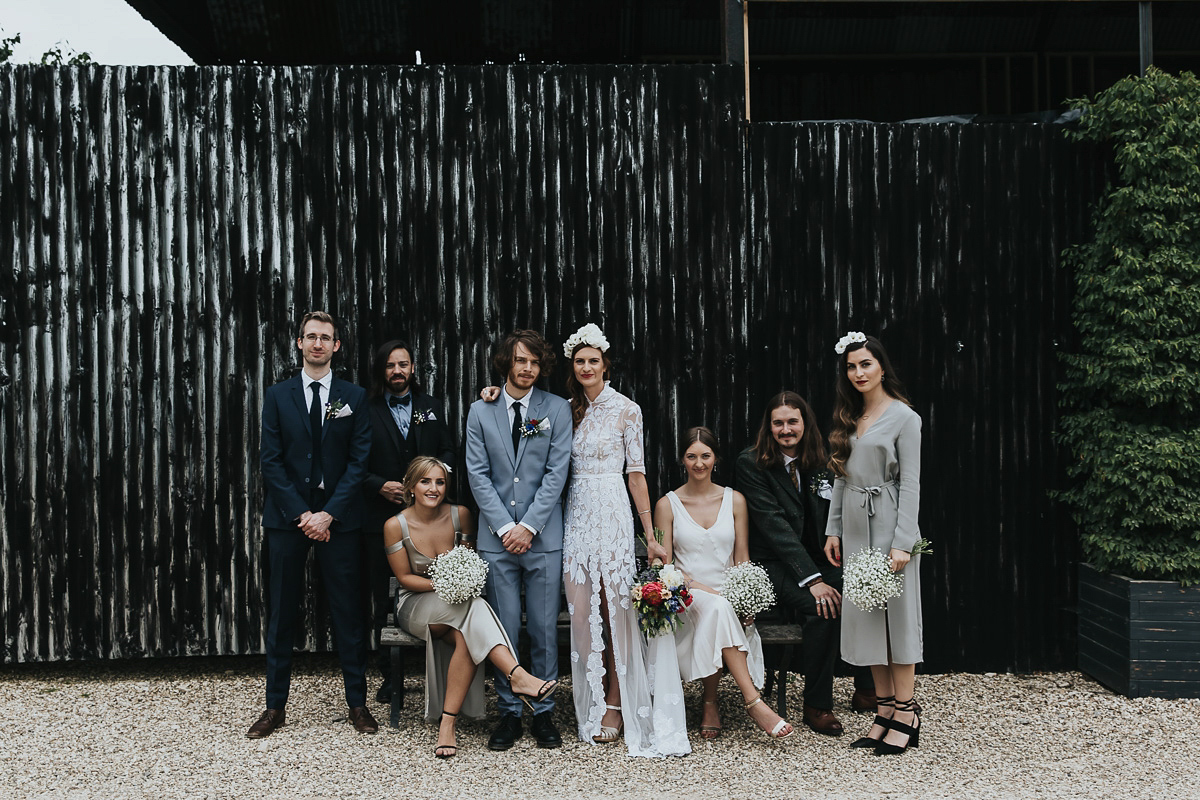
286,454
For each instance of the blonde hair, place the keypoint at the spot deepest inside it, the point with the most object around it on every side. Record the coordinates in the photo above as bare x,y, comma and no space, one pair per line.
418,468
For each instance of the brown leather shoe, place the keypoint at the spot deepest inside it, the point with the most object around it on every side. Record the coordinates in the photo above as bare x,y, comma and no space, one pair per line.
864,700
822,721
271,719
362,720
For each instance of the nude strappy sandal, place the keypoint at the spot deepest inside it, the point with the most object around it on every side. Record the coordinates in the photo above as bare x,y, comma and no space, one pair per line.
774,733
609,735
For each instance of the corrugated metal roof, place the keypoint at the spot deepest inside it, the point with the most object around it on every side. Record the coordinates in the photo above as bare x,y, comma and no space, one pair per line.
619,31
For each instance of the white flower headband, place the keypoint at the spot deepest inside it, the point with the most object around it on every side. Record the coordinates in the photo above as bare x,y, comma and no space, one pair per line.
589,334
853,337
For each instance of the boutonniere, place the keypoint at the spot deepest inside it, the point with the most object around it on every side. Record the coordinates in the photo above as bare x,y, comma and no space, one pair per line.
819,485
337,410
426,415
535,427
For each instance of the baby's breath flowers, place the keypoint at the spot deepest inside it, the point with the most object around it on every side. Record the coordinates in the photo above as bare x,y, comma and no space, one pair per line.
748,589
459,575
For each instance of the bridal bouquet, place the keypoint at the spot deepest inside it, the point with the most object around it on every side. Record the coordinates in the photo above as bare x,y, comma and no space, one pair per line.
660,594
748,589
868,580
458,575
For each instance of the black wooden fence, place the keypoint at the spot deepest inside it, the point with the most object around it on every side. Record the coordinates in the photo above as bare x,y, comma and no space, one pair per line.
161,229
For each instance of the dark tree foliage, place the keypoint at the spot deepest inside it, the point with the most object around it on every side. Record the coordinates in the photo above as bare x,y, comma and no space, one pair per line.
1131,394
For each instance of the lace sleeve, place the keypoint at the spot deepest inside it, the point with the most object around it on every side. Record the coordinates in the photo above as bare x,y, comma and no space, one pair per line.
631,425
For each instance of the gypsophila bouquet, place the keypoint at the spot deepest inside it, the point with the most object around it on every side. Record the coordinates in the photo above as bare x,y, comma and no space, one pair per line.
459,575
748,589
868,580
660,594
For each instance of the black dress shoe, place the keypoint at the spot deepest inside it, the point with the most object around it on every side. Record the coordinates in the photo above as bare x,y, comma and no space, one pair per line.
384,695
545,731
506,733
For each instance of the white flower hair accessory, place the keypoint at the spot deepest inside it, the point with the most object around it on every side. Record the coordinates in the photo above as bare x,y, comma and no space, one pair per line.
853,337
589,334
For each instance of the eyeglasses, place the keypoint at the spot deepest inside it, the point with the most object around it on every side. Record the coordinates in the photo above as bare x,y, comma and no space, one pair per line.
323,338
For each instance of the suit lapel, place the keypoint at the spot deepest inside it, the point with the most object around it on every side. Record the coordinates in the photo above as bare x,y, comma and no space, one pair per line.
536,396
301,405
500,413
415,433
782,477
379,407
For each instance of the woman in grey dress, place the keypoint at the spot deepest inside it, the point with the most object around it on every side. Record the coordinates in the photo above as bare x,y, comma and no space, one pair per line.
458,637
875,447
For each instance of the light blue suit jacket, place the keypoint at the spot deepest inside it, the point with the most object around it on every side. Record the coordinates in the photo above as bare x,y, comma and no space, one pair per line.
526,488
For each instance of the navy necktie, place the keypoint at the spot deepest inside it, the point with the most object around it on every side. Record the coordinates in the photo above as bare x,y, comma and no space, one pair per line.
517,422
400,401
314,421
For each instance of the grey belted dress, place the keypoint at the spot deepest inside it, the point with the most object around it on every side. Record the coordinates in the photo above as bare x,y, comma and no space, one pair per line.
875,504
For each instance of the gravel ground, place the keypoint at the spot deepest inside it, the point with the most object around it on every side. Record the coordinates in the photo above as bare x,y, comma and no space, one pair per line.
176,728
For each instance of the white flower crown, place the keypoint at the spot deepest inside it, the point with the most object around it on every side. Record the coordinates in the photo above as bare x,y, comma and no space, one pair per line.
853,337
589,334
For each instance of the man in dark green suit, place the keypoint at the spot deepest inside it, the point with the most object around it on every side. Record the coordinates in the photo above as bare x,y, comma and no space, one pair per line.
787,490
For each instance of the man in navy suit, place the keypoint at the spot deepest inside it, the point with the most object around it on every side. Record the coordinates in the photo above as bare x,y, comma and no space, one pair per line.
518,454
315,442
405,422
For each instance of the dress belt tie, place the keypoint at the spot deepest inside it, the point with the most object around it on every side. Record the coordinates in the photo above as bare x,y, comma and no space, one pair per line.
869,494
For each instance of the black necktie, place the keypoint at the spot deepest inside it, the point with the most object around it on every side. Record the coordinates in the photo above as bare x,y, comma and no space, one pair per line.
314,421
516,426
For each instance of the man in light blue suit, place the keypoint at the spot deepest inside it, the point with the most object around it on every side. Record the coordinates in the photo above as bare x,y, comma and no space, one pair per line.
518,454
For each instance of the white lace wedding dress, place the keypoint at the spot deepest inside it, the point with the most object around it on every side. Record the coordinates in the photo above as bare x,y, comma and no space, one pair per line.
598,556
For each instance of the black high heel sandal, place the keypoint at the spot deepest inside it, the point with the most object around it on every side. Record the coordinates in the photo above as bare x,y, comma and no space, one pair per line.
547,689
883,722
913,731
451,747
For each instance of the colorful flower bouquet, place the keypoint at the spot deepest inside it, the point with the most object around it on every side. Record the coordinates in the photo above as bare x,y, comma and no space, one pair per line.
458,575
748,589
660,594
868,580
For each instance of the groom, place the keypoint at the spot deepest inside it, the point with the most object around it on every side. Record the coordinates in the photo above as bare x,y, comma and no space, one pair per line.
517,455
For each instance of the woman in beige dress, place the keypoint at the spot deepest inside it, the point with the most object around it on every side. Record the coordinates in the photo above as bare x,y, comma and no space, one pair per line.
875,446
458,637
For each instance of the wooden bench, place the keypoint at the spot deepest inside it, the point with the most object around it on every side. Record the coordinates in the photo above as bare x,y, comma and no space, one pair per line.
395,640
782,634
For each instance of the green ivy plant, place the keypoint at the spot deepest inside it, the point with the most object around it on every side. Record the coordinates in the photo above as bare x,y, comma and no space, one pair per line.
1131,394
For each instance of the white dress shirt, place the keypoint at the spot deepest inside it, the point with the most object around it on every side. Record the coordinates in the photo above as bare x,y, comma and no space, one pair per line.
324,382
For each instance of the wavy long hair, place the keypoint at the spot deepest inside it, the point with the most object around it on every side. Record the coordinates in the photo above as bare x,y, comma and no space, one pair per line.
811,451
848,402
534,342
575,393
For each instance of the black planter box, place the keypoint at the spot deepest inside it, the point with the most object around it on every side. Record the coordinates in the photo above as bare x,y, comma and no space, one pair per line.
1139,638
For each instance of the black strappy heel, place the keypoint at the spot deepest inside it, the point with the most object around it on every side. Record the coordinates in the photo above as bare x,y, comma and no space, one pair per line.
913,731
883,722
547,689
451,747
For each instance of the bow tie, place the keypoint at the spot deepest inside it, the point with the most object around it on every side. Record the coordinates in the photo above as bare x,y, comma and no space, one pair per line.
400,401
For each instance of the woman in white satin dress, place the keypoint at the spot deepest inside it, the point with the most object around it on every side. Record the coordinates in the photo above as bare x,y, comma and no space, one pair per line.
707,531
